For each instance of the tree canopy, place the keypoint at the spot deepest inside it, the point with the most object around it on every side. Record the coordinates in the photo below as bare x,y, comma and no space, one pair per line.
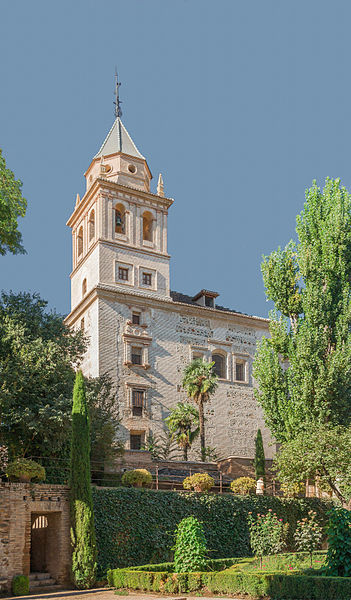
304,369
183,423
12,206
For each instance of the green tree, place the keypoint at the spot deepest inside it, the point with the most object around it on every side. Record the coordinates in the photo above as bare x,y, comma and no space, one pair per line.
259,461
84,554
200,382
339,543
304,369
37,352
183,424
321,454
12,206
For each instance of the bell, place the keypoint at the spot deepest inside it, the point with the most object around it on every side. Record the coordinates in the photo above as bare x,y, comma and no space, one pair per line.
118,221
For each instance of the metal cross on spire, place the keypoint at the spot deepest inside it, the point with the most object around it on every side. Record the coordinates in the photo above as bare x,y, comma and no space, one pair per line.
117,103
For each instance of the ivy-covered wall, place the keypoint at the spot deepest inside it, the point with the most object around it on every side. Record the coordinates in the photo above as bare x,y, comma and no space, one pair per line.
136,526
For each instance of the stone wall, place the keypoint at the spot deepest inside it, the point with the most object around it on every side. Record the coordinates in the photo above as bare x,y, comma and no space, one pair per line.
21,504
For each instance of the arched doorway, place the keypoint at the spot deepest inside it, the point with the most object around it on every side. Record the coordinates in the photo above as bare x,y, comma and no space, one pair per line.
38,543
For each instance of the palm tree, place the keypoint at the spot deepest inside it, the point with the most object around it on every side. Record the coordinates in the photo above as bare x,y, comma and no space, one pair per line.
183,423
200,382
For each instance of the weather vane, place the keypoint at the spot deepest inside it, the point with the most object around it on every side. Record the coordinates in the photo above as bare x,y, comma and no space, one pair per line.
117,103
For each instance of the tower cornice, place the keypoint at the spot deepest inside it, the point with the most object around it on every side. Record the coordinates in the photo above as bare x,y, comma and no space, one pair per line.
103,183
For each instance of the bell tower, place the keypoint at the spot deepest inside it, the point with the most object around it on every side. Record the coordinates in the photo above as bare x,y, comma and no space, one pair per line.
119,227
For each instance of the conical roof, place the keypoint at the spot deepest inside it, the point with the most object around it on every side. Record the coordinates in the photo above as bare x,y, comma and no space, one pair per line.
118,140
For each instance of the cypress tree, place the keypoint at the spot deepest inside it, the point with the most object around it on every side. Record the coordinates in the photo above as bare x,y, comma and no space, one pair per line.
82,517
260,461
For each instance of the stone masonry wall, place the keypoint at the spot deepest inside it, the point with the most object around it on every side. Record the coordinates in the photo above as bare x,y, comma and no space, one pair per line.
20,503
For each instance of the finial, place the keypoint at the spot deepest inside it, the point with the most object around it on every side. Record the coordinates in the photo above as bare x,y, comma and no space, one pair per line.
117,103
160,189
77,200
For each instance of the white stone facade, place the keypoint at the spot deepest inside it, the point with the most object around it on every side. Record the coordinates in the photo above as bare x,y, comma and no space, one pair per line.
142,334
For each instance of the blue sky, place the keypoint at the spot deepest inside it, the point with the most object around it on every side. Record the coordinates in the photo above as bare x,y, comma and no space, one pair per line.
240,104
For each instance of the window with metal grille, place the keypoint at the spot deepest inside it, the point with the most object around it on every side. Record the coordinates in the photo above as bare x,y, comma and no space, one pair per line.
138,397
136,356
136,318
146,278
135,441
219,365
240,371
123,273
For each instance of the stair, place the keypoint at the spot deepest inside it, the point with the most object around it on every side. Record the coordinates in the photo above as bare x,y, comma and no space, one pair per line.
42,581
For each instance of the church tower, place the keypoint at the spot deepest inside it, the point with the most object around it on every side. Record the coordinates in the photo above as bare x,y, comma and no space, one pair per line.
119,233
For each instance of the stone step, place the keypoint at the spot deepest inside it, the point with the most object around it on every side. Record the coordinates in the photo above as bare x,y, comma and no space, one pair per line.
43,582
39,576
43,589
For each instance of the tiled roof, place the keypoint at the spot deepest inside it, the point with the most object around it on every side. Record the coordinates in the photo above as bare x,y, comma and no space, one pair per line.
118,140
178,297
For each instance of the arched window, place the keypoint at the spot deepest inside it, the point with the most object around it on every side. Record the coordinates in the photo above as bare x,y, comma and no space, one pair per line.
219,365
92,225
147,227
80,242
120,219
84,287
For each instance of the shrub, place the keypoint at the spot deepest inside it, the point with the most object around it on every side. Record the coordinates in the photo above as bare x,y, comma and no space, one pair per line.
292,489
20,585
123,538
137,478
25,470
266,534
339,543
308,534
199,482
259,461
190,546
243,485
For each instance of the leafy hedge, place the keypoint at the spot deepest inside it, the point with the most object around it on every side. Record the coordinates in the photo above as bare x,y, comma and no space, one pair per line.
136,526
280,586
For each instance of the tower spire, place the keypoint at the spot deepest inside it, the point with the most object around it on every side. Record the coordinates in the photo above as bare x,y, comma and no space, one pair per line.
117,102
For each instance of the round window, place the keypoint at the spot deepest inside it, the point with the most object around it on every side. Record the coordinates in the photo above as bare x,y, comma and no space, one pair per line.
108,168
131,168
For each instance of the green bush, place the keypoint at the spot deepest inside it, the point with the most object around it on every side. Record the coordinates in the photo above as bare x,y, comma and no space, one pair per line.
308,535
137,478
339,543
235,580
190,546
23,468
243,485
20,585
199,482
135,526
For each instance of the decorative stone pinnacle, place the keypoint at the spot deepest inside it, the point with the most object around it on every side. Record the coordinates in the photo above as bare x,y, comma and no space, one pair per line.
160,186
77,200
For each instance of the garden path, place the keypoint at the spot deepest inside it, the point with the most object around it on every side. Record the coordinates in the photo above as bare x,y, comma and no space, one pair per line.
106,594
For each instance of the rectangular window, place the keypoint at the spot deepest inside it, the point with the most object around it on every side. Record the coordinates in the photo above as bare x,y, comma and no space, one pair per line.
123,273
240,371
146,278
136,356
138,397
135,441
209,302
136,318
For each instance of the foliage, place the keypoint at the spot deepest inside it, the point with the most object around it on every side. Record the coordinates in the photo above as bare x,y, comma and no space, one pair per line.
304,369
190,546
339,543
243,485
208,454
259,461
183,424
12,206
321,453
200,482
308,534
124,538
82,517
235,578
267,534
20,585
161,447
37,352
22,467
137,477
292,489
200,383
